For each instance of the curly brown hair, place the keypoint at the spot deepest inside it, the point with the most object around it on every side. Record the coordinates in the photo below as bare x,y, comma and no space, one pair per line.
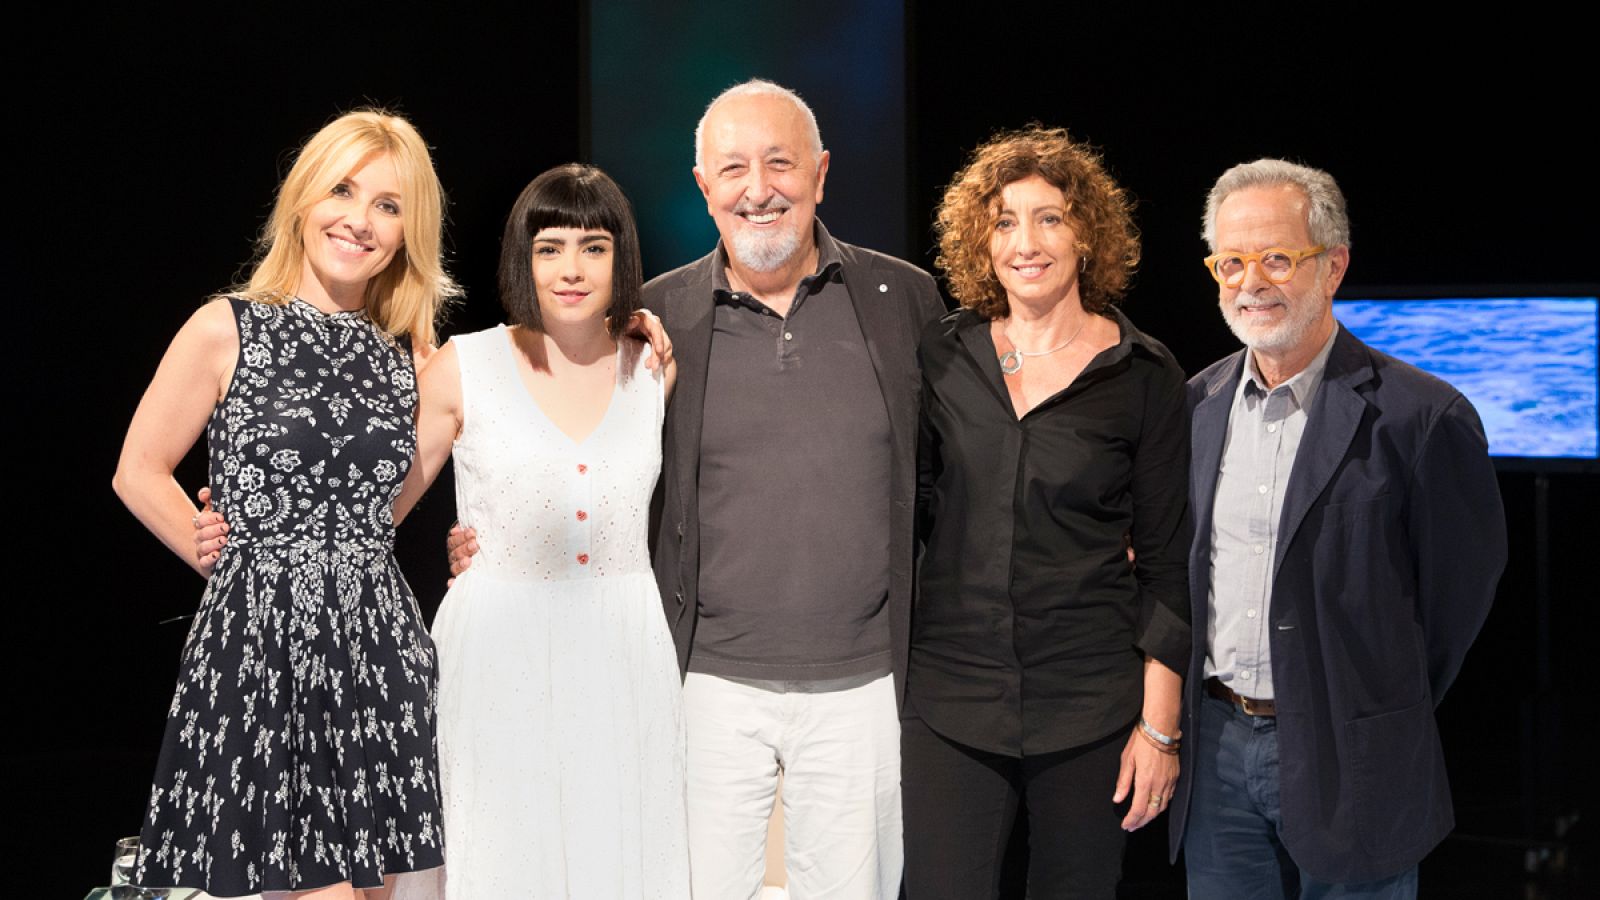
1100,212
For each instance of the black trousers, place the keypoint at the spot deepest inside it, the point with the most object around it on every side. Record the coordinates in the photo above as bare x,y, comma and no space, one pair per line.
960,804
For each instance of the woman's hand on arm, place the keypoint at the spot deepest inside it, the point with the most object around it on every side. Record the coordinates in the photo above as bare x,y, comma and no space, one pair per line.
187,385
439,418
460,545
1149,771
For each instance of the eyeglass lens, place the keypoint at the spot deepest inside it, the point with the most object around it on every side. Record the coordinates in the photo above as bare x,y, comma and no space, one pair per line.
1276,267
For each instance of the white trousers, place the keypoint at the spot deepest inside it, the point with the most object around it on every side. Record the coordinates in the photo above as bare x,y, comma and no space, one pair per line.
838,745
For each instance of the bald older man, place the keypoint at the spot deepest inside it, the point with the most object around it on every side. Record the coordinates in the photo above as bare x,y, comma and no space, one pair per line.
784,554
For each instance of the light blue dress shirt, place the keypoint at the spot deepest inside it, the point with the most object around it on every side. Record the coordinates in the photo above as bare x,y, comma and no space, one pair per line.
1264,431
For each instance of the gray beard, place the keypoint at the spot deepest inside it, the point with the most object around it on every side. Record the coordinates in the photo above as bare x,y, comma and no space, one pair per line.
1285,336
765,253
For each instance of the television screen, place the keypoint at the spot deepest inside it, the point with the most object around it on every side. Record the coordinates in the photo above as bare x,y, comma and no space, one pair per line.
1529,364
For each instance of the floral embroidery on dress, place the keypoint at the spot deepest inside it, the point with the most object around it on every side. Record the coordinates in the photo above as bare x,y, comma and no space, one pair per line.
307,682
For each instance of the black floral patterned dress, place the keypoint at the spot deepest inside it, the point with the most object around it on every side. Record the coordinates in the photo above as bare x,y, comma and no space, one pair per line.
300,748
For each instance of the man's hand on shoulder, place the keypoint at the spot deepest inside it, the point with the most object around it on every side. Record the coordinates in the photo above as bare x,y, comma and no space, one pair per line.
462,545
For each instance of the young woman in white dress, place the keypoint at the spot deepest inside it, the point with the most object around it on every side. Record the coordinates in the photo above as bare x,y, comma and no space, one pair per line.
560,731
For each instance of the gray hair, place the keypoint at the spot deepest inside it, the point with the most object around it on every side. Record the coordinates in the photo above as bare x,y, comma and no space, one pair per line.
1327,220
757,87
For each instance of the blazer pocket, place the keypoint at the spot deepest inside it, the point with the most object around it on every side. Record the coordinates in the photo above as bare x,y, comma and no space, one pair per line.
1394,773
1355,507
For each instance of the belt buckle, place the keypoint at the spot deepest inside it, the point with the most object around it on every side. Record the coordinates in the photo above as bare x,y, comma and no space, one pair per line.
1249,705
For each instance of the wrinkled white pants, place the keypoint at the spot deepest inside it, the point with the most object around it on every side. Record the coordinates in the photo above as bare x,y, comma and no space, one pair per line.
837,743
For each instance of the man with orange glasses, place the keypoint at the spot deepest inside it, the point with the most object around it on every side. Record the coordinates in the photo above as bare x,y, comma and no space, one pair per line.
1348,539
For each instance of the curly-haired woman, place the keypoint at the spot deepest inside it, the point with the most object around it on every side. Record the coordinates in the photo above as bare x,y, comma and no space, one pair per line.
1044,664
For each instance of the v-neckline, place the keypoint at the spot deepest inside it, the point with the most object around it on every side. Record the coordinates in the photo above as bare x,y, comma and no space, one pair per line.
983,351
611,399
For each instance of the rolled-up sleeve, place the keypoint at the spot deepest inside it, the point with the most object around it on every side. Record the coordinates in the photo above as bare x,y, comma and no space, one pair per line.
1161,529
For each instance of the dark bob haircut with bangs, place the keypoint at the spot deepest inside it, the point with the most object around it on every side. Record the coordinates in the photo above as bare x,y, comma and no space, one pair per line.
570,196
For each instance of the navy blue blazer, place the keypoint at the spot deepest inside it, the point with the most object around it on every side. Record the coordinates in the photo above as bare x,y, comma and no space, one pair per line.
1391,543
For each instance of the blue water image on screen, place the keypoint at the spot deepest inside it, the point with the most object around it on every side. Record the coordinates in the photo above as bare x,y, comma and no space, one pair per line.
1527,364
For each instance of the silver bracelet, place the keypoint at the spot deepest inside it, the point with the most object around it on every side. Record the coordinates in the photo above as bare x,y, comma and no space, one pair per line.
1155,735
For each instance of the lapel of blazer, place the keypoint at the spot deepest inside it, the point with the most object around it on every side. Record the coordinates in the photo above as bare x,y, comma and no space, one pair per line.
1335,415
691,341
882,326
1208,431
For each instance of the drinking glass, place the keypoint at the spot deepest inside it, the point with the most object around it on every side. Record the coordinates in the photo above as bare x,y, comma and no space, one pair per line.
125,860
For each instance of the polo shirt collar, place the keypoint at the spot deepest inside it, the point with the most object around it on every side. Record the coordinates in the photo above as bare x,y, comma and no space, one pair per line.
830,266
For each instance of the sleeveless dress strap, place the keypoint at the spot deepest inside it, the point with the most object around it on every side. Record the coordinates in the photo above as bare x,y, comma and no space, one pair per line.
481,358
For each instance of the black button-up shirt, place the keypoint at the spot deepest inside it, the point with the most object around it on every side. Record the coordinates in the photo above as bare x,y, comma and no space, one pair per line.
1031,628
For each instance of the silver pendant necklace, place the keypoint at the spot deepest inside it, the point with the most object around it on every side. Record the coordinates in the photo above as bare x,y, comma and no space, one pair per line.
1011,360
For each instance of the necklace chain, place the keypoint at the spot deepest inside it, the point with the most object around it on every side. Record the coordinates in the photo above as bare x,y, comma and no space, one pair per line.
1011,360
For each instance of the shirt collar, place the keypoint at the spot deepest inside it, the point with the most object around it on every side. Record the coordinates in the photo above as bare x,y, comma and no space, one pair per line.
965,317
1303,386
829,266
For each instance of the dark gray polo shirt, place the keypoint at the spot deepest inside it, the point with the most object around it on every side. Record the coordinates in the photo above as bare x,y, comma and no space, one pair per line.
794,488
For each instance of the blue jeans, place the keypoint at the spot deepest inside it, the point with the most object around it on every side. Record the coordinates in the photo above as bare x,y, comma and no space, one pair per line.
1230,846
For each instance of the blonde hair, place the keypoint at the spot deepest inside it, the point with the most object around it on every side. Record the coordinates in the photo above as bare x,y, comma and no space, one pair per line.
408,296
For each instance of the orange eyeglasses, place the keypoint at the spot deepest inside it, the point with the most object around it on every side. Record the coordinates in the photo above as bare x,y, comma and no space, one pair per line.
1277,264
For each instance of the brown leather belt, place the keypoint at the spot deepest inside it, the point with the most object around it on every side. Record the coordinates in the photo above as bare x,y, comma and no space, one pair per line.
1249,705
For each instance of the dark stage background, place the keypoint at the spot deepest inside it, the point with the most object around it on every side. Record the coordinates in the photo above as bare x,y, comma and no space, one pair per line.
151,143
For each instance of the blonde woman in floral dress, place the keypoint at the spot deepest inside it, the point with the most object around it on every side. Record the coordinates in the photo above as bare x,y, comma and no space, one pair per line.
299,755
